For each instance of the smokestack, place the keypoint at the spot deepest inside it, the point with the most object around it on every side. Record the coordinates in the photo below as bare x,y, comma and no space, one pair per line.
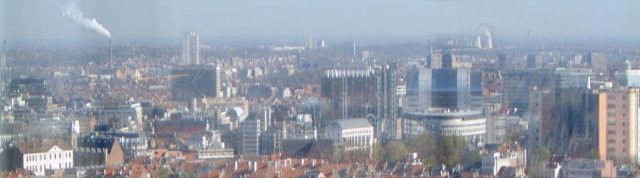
110,52
3,63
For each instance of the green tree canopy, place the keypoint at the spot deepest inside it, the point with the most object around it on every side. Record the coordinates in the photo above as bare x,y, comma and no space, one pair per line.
378,152
592,154
395,150
424,145
542,154
470,158
448,149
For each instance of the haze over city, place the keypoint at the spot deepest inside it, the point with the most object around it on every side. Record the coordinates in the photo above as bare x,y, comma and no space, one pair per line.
162,19
314,89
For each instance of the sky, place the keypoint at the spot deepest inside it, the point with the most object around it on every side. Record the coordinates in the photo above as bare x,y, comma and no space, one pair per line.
38,19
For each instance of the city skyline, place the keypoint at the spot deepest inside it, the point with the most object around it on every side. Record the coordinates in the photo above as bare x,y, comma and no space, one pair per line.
435,88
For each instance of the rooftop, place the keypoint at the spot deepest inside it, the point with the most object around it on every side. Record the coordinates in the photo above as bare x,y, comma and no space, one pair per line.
351,123
39,146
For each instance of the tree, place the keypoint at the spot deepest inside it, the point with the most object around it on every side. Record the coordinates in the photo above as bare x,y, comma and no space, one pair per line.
185,174
511,137
337,155
542,154
360,154
448,148
470,158
395,150
592,154
424,144
164,173
431,159
378,152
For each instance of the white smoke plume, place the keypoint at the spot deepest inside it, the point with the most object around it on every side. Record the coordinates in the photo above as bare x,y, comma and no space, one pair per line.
69,10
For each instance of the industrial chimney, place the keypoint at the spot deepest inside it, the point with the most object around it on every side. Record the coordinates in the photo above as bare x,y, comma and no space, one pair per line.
110,53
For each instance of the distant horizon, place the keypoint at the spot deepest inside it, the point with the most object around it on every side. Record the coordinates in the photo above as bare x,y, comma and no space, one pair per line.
40,19
278,40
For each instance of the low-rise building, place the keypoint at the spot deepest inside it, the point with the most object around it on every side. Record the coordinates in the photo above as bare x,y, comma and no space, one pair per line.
41,155
551,170
350,134
588,168
492,163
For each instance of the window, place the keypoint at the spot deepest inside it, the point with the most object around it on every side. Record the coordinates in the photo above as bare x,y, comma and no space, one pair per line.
611,106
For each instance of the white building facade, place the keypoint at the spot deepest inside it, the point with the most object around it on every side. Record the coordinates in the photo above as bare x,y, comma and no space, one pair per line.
350,134
190,49
39,156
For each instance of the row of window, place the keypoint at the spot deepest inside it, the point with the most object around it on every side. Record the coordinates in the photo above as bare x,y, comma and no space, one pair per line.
612,106
465,131
613,97
40,168
613,132
49,156
614,141
611,149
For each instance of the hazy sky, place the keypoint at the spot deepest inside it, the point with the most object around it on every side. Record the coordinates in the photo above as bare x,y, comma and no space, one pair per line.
164,18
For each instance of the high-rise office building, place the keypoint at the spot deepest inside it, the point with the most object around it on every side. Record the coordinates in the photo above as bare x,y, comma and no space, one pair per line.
250,140
350,48
503,61
534,61
191,82
358,93
604,120
459,88
622,126
517,82
320,44
434,61
445,101
449,60
597,61
310,43
190,49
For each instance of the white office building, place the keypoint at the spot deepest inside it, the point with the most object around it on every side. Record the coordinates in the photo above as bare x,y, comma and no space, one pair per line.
41,155
350,134
190,48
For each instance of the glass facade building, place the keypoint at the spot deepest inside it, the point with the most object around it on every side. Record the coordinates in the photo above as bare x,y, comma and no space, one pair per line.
452,88
358,93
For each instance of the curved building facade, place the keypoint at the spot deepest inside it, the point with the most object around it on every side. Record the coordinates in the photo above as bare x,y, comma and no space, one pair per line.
469,123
